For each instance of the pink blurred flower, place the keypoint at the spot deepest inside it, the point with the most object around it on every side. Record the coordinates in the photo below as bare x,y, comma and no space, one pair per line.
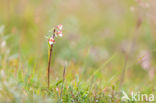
145,59
143,4
57,89
151,73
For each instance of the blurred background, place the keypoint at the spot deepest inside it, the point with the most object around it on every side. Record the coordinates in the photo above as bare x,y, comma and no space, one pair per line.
109,41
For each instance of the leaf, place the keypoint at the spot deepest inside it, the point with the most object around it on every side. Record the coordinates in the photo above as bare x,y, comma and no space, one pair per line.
59,82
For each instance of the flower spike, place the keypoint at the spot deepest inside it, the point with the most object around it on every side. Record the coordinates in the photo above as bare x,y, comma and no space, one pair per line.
57,31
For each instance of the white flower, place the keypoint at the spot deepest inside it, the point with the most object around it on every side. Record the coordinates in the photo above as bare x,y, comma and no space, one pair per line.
60,26
51,40
3,44
59,33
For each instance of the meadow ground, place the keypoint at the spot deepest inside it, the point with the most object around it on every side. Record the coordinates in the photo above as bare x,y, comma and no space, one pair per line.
108,51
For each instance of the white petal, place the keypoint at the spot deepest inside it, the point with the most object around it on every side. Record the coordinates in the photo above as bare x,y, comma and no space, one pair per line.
60,35
50,42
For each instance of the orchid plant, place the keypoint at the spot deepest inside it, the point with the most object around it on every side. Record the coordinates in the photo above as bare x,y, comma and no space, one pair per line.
57,31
